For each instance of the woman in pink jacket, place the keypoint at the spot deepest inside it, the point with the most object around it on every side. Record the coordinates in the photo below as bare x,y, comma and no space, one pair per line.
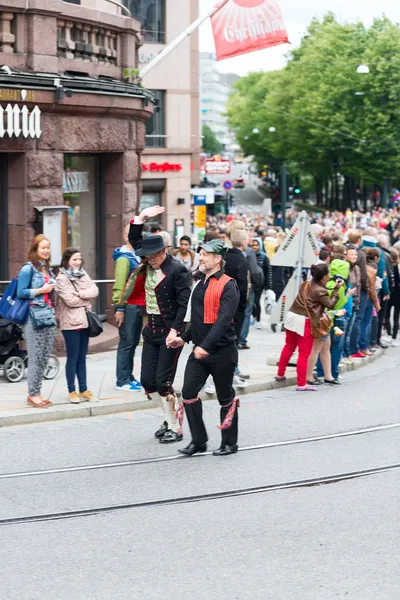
74,290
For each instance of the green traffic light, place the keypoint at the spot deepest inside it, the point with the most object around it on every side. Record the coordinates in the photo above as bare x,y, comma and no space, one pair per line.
297,190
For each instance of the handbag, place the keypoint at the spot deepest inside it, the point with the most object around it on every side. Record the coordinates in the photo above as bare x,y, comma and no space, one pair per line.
95,326
42,316
12,308
324,325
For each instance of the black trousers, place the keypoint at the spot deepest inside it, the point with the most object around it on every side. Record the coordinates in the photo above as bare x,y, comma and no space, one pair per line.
159,363
382,315
257,305
221,365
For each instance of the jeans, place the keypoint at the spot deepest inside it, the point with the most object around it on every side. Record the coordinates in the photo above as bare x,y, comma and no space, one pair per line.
337,345
356,332
366,326
247,316
129,337
76,342
347,337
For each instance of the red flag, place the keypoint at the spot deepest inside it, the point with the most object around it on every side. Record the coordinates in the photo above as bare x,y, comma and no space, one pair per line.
242,26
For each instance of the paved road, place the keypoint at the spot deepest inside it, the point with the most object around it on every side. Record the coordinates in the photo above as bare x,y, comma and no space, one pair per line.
323,542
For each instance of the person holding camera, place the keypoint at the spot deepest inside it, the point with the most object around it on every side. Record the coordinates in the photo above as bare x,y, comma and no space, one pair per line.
75,289
36,283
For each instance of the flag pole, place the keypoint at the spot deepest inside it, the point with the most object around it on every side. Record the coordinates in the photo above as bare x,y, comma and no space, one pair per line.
178,40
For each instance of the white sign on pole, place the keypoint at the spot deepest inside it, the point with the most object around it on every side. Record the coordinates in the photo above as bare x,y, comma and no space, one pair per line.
290,251
284,303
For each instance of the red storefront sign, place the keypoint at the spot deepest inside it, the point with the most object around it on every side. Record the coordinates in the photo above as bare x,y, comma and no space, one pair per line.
161,167
242,26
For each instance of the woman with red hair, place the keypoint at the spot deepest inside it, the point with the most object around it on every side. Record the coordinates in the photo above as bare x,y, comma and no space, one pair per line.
36,283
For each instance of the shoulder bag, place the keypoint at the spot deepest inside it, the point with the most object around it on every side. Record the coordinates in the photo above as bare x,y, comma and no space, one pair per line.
322,327
95,326
12,308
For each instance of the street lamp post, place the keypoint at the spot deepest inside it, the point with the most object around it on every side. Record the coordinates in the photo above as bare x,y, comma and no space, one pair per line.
283,195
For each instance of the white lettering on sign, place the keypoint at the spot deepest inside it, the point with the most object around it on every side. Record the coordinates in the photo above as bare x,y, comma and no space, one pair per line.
15,120
75,182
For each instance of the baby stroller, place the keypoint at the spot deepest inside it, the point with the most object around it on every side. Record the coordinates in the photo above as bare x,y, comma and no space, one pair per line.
14,360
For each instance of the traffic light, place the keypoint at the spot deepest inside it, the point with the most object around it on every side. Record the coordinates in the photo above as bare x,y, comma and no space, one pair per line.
276,200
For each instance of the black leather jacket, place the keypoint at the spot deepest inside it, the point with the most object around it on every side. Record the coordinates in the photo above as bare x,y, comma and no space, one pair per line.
173,292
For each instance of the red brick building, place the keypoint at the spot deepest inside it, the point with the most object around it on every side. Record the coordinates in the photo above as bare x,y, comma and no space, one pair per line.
71,130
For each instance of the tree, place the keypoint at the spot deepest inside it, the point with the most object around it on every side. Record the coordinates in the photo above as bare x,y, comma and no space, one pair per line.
338,126
210,143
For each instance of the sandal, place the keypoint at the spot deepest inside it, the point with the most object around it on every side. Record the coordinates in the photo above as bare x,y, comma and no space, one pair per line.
41,404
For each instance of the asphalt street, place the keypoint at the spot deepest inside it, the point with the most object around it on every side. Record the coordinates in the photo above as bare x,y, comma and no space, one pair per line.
325,541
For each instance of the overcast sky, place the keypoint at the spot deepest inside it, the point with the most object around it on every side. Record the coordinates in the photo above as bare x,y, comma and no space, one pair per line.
297,15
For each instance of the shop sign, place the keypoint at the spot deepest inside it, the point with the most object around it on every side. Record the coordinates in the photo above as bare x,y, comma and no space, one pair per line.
161,167
75,182
217,166
16,120
7,95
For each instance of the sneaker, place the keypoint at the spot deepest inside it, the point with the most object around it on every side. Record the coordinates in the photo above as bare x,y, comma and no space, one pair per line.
358,354
73,398
88,396
259,326
242,375
241,383
394,344
135,381
129,387
273,327
382,345
209,388
244,347
346,360
366,352
252,321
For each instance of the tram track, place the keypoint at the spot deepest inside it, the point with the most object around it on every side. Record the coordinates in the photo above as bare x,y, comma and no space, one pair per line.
174,457
304,483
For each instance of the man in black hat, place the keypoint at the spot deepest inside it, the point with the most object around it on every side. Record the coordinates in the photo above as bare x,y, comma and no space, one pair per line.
214,302
167,285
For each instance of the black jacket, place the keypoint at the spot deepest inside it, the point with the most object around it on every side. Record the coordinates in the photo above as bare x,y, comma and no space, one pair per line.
265,265
237,267
173,292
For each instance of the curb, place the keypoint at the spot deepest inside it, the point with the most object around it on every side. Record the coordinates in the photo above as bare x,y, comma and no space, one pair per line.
28,416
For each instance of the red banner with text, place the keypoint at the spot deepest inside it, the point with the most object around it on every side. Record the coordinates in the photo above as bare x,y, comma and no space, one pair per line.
242,26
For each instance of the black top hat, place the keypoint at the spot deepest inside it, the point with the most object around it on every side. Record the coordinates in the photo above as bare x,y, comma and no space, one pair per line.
151,245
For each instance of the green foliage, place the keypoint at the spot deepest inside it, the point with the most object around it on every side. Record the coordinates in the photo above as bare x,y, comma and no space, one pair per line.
210,143
322,127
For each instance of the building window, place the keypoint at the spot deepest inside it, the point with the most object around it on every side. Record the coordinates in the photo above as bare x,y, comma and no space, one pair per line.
73,1
151,14
80,195
155,127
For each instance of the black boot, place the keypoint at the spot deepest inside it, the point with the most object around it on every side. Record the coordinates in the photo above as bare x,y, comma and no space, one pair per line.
161,431
193,449
229,437
194,415
170,437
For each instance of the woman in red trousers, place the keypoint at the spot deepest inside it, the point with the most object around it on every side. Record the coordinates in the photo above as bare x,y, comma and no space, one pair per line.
310,303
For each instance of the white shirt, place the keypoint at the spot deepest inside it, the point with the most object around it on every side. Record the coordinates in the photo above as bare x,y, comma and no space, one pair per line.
296,323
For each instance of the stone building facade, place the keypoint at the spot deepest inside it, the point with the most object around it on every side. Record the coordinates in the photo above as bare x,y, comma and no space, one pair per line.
72,129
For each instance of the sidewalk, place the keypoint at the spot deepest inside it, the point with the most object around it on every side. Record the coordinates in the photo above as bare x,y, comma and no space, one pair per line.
259,362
